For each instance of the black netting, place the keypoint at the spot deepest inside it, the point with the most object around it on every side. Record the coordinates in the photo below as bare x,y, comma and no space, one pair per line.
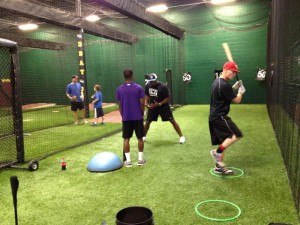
284,85
8,152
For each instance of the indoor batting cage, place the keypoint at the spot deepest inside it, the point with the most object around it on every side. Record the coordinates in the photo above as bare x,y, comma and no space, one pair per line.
64,44
61,42
283,79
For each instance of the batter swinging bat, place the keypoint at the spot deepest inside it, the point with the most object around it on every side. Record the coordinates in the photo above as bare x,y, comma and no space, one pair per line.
228,55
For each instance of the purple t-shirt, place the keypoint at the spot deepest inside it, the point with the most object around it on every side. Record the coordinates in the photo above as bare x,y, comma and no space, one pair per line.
129,95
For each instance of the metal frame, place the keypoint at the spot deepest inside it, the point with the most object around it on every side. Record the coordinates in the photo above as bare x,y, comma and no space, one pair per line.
138,12
16,101
61,18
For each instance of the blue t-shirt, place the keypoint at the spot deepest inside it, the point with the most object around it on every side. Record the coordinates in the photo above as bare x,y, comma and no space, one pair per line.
74,90
128,95
98,104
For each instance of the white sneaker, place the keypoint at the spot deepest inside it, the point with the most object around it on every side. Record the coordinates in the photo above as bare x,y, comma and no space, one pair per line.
86,122
127,164
144,139
181,140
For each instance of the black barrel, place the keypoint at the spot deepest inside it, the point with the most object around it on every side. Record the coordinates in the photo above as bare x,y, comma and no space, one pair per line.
135,215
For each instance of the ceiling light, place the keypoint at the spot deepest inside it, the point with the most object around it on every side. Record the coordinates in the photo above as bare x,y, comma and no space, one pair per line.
92,18
28,26
219,2
157,8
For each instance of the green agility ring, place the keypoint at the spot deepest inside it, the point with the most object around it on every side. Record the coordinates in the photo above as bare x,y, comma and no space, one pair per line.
218,219
228,176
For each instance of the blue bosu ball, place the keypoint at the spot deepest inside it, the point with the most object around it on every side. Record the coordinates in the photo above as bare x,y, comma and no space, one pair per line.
104,162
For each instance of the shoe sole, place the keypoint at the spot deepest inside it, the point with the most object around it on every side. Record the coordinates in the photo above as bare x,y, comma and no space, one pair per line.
218,172
141,164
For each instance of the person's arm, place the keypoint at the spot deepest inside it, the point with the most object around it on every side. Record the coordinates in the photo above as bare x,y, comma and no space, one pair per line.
142,103
120,108
68,92
165,93
238,98
165,101
118,98
95,100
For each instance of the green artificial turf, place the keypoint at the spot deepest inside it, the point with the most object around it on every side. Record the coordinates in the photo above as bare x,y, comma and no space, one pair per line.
174,180
43,118
47,141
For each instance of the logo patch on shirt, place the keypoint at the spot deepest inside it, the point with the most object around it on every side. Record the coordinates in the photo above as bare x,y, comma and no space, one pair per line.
153,92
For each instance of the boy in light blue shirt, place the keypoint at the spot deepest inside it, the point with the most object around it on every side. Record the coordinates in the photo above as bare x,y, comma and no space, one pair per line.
97,102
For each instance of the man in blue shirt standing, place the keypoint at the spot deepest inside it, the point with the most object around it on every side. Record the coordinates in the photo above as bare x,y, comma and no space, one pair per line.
130,98
74,93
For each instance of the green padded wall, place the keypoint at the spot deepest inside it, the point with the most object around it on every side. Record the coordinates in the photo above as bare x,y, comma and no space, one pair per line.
204,54
200,53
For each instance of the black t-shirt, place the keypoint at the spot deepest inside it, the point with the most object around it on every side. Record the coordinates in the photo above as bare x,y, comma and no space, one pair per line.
158,93
221,96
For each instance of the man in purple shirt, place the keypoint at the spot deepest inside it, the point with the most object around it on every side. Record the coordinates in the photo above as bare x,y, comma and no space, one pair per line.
130,98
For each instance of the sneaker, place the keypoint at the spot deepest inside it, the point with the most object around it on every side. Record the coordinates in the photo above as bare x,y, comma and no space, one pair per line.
127,164
93,124
217,157
144,139
86,122
141,162
223,170
76,123
181,140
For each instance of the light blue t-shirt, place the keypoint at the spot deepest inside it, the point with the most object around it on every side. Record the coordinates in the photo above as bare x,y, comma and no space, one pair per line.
98,104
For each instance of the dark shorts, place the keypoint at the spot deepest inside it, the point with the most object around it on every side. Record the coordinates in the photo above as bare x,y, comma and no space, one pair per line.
223,128
133,125
77,106
164,112
98,112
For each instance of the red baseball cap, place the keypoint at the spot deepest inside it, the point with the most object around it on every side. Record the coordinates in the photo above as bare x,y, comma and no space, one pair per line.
231,66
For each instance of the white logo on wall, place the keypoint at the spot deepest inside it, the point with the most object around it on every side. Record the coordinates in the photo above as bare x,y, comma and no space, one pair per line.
153,92
187,77
261,74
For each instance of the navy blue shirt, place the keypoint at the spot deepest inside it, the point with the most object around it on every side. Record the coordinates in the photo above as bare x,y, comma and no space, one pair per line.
157,93
222,95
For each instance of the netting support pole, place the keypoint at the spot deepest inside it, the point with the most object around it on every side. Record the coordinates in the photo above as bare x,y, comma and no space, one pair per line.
82,70
17,106
169,84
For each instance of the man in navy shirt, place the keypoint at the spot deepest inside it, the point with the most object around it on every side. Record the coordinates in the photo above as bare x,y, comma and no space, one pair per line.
130,98
223,130
157,101
74,93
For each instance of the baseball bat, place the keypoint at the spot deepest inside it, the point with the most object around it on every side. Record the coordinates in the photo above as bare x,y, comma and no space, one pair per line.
228,54
14,183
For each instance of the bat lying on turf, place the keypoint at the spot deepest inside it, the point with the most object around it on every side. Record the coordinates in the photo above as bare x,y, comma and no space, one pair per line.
14,182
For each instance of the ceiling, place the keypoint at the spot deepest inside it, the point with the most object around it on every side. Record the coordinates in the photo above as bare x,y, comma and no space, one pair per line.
193,16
